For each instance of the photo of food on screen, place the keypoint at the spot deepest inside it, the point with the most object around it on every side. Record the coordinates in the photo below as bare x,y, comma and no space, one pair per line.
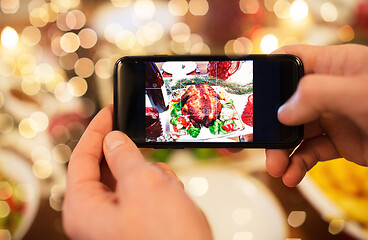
204,101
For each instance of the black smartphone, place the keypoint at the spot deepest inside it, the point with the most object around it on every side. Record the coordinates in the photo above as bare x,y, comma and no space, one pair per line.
206,101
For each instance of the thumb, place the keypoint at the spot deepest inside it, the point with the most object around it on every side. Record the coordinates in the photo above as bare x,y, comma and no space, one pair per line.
315,95
121,154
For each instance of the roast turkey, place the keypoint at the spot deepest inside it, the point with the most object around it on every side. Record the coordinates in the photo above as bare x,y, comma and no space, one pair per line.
202,104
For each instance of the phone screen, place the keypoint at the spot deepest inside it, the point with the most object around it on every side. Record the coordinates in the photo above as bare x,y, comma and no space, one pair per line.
203,102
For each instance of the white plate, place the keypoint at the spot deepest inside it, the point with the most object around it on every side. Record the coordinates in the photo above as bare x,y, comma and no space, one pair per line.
237,206
19,171
179,69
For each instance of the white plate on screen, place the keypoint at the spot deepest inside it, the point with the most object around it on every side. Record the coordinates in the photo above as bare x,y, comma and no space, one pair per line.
237,206
179,69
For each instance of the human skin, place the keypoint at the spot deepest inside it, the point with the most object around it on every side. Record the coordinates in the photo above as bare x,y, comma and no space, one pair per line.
331,101
139,200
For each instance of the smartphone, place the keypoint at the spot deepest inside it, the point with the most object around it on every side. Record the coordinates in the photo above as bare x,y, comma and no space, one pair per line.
206,101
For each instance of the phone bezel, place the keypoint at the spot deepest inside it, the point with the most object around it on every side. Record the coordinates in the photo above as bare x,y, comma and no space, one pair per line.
285,91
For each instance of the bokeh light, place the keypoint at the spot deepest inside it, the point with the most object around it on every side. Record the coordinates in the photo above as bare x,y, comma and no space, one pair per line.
31,36
180,32
121,3
282,8
6,190
269,4
88,38
61,153
299,10
9,6
63,92
329,12
125,40
198,7
144,9
249,6
178,7
269,43
84,67
69,42
9,37
297,218
39,17
103,68
5,234
42,169
336,226
7,66
346,33
75,19
28,128
41,120
79,86
4,209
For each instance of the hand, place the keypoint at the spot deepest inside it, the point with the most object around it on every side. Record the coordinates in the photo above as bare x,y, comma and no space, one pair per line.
148,201
332,103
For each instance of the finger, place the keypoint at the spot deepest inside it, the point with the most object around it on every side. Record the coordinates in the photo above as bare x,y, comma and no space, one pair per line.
307,53
315,95
169,172
277,161
86,157
121,154
306,156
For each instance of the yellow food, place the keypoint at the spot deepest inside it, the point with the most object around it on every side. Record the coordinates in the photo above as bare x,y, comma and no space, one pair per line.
346,184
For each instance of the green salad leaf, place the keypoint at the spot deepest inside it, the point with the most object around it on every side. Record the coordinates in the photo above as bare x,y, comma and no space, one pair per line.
178,105
174,113
174,121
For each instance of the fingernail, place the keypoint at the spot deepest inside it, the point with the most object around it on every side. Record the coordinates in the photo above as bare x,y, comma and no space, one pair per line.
115,139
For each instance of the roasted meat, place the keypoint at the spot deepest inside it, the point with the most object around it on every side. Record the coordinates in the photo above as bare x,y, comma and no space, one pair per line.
202,104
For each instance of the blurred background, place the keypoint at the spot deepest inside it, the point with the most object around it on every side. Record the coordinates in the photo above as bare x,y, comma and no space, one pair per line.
56,67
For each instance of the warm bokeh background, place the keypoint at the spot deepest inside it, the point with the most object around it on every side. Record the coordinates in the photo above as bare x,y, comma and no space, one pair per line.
56,67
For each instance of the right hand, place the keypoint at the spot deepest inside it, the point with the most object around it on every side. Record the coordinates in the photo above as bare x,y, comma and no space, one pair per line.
332,103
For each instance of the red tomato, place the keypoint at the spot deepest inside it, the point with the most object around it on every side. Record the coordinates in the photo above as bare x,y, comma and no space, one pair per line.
228,127
182,121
